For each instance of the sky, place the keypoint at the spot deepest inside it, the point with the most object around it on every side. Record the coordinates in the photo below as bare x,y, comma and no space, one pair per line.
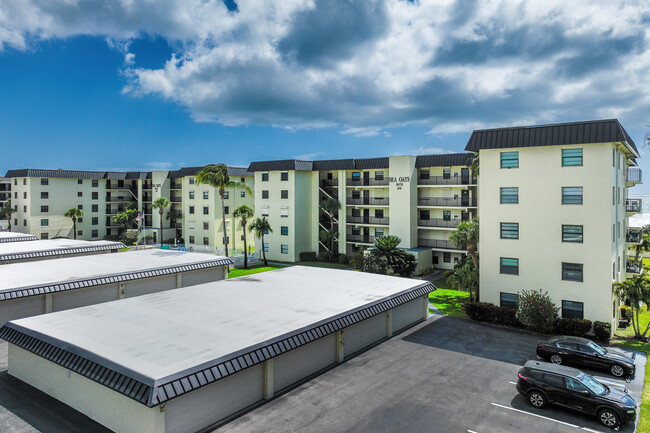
142,85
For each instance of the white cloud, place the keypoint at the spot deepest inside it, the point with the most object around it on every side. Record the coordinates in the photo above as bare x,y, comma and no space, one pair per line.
429,151
308,156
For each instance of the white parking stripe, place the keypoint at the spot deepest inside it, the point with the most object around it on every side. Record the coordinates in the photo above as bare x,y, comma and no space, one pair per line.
544,417
514,383
471,431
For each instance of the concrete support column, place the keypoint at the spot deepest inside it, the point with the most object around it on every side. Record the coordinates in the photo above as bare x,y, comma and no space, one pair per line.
268,379
389,323
121,290
179,280
340,346
48,303
425,304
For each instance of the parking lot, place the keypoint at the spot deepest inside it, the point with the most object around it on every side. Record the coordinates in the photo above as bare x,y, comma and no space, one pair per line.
444,375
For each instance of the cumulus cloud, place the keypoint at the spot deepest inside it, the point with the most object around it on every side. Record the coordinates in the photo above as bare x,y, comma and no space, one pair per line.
368,66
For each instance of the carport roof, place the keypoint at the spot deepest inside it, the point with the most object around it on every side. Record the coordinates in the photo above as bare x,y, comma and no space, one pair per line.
20,280
16,237
188,338
53,247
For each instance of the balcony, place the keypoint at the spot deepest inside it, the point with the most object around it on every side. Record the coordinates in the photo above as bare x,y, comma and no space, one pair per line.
367,220
437,243
447,201
117,187
367,182
370,201
326,183
633,176
633,236
633,267
175,186
361,239
439,222
176,199
633,205
118,199
442,180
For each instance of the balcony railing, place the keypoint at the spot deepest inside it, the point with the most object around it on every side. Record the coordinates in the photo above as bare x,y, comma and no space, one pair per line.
367,182
447,201
634,175
441,180
118,199
633,205
175,186
371,201
362,239
633,236
366,220
115,186
329,182
439,222
176,199
633,267
437,243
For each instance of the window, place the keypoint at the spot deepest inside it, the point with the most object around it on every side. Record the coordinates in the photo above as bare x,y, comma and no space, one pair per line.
25,195
509,230
25,209
243,179
571,233
45,222
191,181
80,181
284,193
425,214
379,175
15,194
446,257
356,212
242,194
572,271
191,209
226,210
45,236
95,183
226,195
446,173
509,300
80,232
80,206
284,231
572,310
265,193
356,176
571,157
266,231
379,213
95,196
206,240
206,225
509,266
284,212
571,195
95,208
265,211
265,247
356,231
95,221
15,221
80,194
191,239
575,385
45,194
424,174
206,210
510,195
379,232
284,249
613,196
25,181
45,209
284,176
265,177
45,181
80,220
15,181
509,159
25,223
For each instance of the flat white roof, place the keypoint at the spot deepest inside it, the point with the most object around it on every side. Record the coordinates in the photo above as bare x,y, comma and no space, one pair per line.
95,269
168,335
48,247
16,237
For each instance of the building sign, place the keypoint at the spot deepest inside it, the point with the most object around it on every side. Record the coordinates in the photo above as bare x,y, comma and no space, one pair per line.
399,181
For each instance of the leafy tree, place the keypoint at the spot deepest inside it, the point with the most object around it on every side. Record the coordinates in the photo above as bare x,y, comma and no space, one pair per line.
244,213
126,218
644,245
474,166
6,211
173,215
331,207
633,292
74,213
216,175
464,277
536,311
400,261
260,226
466,236
368,263
161,203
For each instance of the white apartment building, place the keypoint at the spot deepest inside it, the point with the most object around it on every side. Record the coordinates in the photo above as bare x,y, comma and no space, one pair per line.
553,213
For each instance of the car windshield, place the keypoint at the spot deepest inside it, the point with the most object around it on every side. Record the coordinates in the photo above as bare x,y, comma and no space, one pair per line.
593,385
597,348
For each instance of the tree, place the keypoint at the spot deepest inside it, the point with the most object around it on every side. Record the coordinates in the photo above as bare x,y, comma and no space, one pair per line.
466,236
464,277
173,215
536,311
400,261
6,211
126,218
331,207
260,227
633,292
74,213
644,245
161,203
244,213
216,175
474,165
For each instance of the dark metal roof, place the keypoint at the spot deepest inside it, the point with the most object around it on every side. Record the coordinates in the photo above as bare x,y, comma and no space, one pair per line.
18,239
23,292
368,163
595,131
334,164
79,174
60,251
152,393
284,164
192,171
323,165
447,160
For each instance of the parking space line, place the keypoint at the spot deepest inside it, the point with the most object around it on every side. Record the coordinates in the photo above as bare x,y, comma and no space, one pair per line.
471,431
513,383
544,417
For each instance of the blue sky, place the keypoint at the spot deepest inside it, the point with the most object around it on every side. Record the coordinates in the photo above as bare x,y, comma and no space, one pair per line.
138,86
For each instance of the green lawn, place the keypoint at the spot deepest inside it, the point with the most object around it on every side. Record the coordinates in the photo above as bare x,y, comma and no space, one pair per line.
321,265
449,302
234,273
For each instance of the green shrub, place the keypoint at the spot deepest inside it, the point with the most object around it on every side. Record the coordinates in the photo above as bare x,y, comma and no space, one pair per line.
478,311
603,330
343,259
577,327
486,312
307,256
323,256
536,311
626,312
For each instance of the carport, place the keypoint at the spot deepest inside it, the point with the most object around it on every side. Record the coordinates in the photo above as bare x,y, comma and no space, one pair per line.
16,237
16,252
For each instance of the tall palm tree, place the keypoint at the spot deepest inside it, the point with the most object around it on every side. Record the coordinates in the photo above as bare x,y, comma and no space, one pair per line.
216,175
74,213
6,212
466,236
633,292
244,212
331,206
260,226
173,215
161,203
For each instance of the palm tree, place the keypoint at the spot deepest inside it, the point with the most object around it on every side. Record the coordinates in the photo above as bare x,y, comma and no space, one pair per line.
398,259
331,206
6,212
174,215
244,212
161,203
216,175
74,213
466,236
261,226
633,292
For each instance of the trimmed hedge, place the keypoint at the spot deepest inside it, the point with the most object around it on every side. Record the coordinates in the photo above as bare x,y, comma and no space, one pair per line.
577,327
323,256
343,259
486,312
307,256
603,330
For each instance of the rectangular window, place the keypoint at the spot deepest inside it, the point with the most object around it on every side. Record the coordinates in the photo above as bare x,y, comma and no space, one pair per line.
571,195
80,194
226,210
243,180
45,194
206,195
191,239
95,196
265,177
80,181
356,231
206,240
95,208
446,215
191,181
446,257
266,231
356,212
95,233
572,310
80,232
266,247
226,195
509,230
265,193
25,181
242,194
206,210
510,195
45,181
25,223
265,211
191,209
191,195
284,212
206,225
45,222
45,209
508,300
45,236
379,175
356,194
424,174
25,209
571,157
509,266
509,159
95,183
80,220
572,271
379,213
284,176
284,193
25,195
15,181
425,215
356,176
571,233
284,231
80,206
379,232
95,221
446,173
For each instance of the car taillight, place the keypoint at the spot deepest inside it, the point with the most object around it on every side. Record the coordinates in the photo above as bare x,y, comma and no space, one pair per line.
541,346
521,376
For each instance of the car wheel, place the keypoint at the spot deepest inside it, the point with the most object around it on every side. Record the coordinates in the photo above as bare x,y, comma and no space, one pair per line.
556,359
537,399
617,370
608,418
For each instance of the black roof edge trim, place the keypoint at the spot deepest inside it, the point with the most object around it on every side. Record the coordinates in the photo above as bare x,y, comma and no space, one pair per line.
60,251
19,239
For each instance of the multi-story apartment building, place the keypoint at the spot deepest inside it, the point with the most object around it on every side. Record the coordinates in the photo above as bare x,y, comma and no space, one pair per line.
418,198
41,198
5,191
553,213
